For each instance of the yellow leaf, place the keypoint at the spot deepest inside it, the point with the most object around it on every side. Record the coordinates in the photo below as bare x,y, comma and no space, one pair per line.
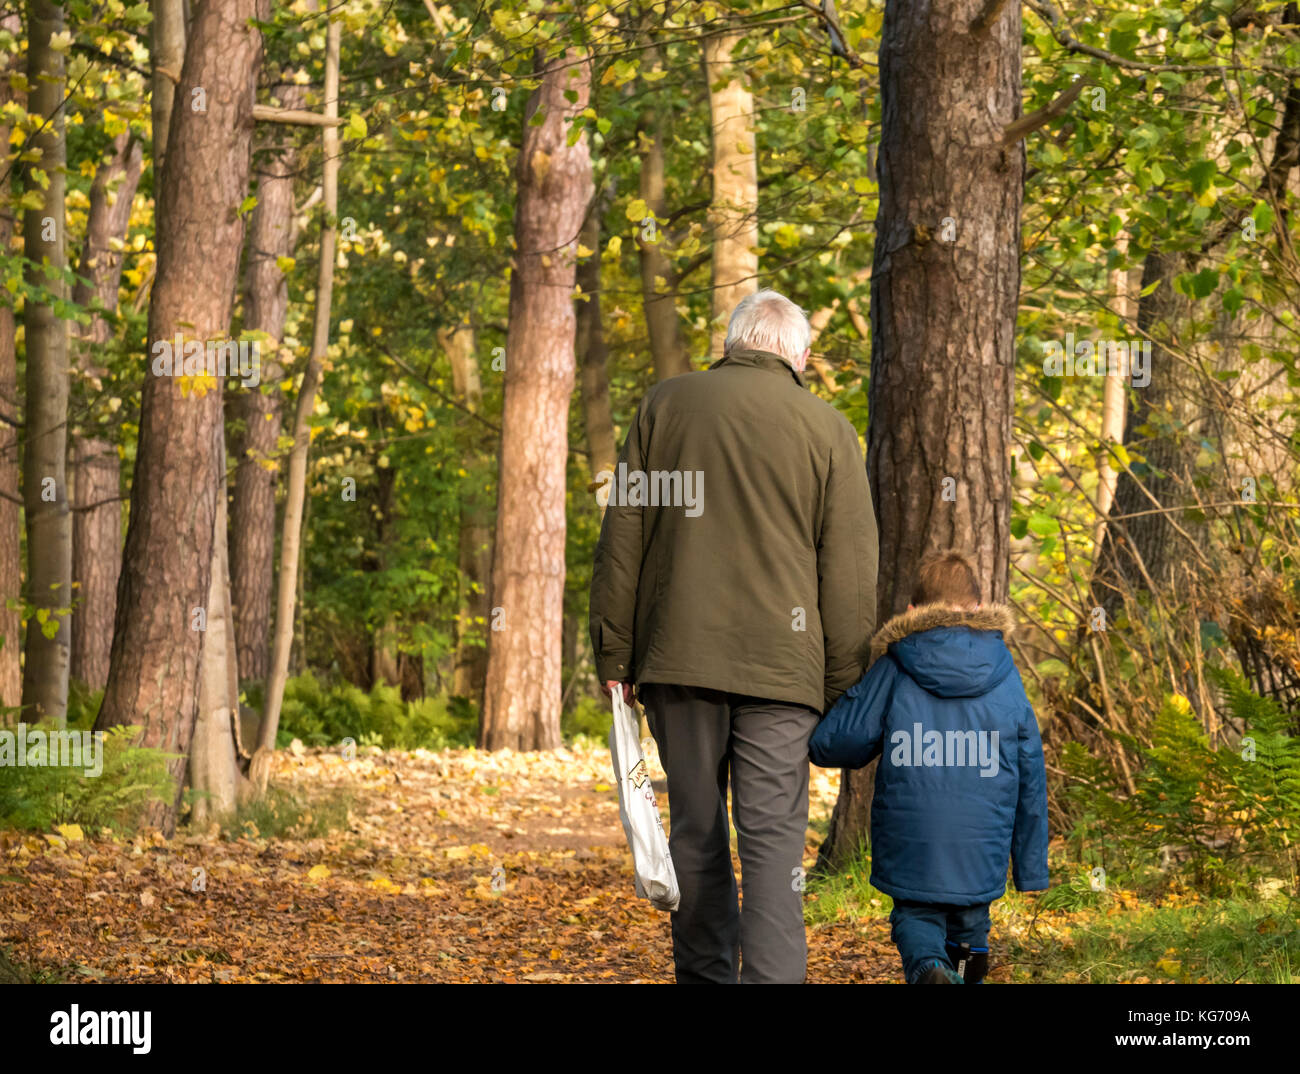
318,872
71,832
1170,967
554,956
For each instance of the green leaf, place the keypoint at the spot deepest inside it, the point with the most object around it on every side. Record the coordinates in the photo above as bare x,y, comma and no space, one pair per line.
1204,282
1201,174
1042,524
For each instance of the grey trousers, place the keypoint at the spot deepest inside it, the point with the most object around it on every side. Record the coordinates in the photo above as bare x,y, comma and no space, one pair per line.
704,735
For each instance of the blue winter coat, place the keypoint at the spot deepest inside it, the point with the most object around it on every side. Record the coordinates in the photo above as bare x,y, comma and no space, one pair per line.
961,785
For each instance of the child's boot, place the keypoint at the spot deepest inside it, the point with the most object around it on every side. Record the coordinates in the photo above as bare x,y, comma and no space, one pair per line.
939,974
972,962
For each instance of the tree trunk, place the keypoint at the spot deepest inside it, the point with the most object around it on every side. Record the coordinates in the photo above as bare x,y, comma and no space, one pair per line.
11,567
658,295
45,487
215,754
943,315
154,673
167,51
96,468
593,355
733,214
1159,423
469,671
522,700
271,235
296,492
1113,392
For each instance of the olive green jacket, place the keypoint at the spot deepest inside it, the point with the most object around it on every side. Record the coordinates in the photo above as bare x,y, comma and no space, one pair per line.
744,559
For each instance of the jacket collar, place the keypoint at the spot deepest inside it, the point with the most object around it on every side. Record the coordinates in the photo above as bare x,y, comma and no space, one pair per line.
769,360
930,616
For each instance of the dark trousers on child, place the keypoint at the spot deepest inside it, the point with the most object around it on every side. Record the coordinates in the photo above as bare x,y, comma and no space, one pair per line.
706,739
927,933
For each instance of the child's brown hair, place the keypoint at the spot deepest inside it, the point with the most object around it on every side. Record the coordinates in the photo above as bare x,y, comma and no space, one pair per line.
946,577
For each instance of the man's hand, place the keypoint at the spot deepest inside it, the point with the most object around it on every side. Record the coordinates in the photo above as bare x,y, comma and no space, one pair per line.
608,688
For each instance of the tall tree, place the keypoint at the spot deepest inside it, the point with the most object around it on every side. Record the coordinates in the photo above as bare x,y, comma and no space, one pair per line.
943,313
162,596
474,553
167,51
554,186
668,347
11,567
271,238
733,212
45,488
296,491
216,752
592,353
96,470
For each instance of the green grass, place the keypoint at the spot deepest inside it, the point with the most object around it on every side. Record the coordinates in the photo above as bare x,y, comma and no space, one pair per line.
282,814
846,893
1073,934
1219,941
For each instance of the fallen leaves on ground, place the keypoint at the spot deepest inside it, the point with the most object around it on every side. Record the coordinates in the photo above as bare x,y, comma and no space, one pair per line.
457,865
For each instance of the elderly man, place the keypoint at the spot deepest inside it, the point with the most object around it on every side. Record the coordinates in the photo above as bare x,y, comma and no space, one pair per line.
739,613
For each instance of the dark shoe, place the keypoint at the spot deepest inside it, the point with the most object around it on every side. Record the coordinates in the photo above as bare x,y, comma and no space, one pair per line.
940,974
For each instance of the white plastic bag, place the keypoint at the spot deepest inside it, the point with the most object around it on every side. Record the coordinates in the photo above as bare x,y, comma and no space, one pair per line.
655,878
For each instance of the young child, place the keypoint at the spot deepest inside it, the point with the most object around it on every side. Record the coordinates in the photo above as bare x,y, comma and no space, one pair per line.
961,785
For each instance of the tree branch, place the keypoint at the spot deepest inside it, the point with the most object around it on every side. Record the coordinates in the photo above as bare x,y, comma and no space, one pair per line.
1018,129
265,113
987,17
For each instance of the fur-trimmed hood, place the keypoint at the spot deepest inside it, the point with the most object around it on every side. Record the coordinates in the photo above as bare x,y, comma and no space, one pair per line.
949,652
929,616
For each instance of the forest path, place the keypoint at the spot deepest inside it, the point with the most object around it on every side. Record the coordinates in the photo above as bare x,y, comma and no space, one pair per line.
456,865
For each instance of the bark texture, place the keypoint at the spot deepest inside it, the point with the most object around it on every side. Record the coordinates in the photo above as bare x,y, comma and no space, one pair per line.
11,567
167,50
154,673
469,672
271,235
943,314
96,468
522,700
733,213
1160,426
215,752
45,480
593,356
658,294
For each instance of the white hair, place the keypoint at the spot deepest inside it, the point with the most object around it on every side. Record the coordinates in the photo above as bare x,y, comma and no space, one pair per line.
768,321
